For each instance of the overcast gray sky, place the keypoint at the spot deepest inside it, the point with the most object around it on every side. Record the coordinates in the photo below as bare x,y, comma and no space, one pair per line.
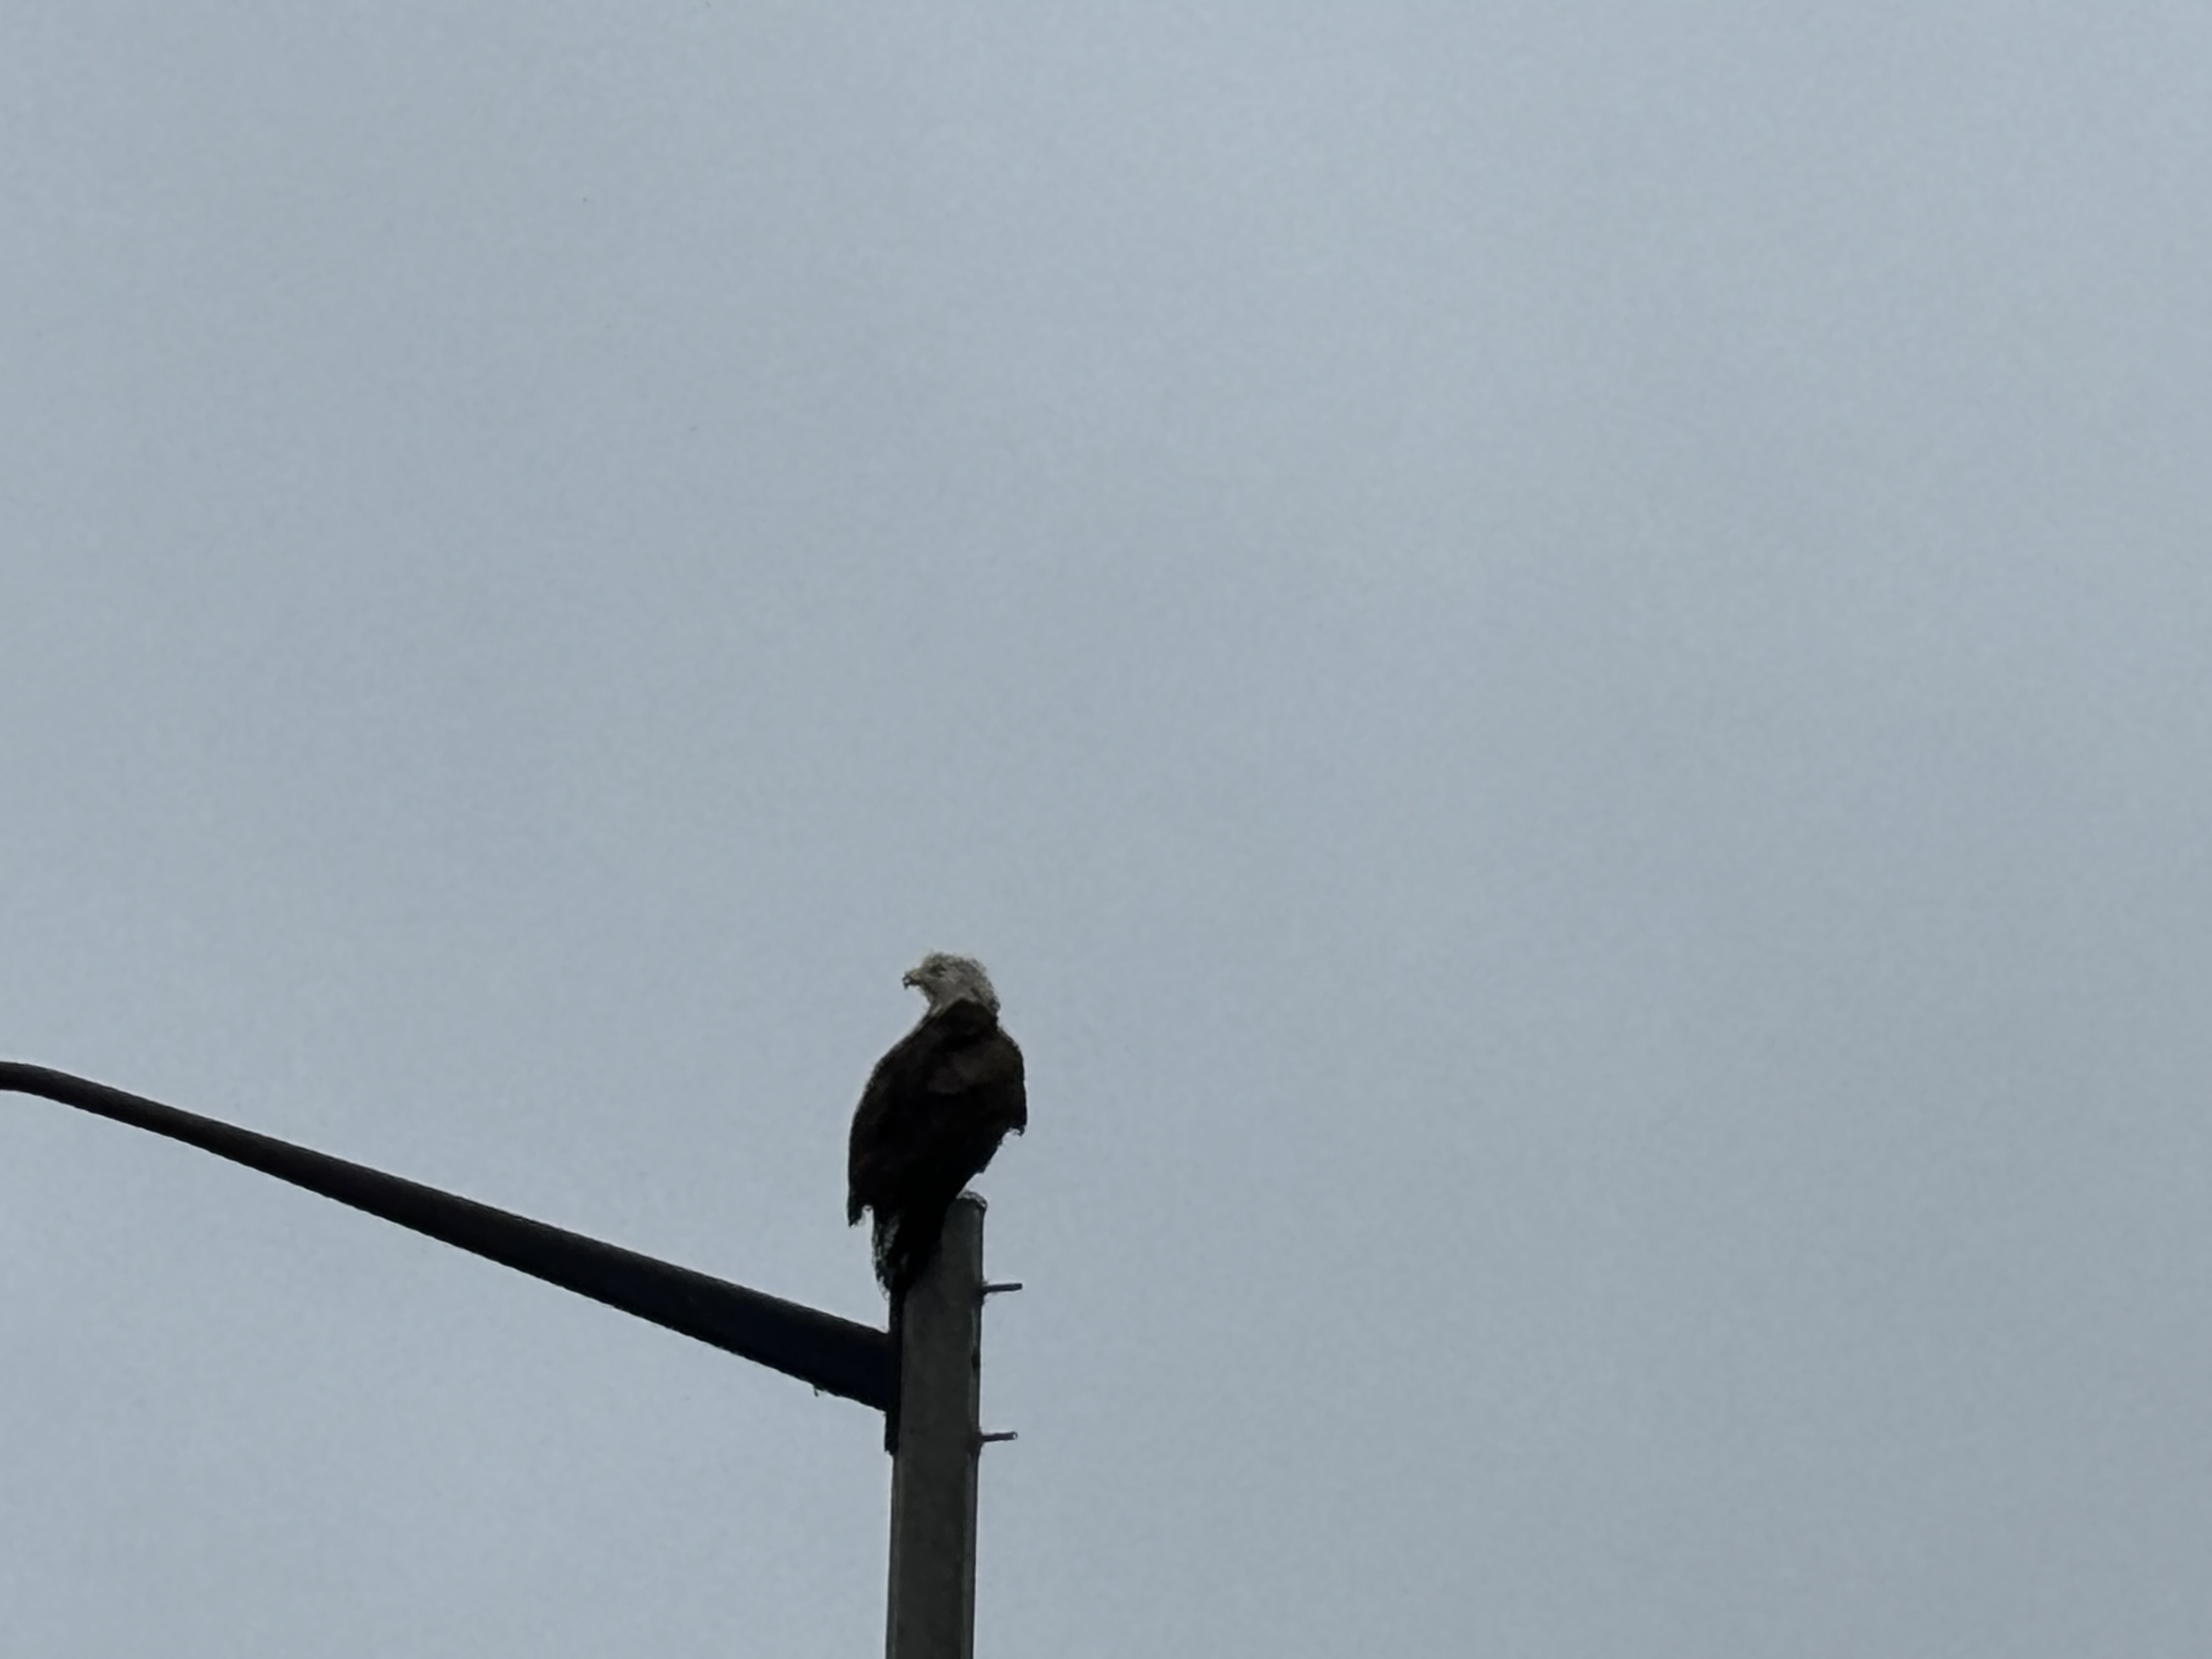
1561,656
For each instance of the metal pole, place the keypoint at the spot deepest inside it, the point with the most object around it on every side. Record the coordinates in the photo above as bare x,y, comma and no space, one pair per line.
925,1374
834,1355
931,1613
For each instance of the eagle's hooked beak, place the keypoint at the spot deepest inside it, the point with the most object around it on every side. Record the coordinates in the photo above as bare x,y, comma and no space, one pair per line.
911,979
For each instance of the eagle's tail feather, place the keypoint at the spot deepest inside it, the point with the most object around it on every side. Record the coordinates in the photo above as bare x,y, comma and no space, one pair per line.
905,1242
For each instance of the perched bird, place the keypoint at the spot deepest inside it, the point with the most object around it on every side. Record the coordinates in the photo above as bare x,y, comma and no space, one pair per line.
935,1109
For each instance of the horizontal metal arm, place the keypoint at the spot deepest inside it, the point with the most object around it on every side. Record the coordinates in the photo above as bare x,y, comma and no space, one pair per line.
837,1356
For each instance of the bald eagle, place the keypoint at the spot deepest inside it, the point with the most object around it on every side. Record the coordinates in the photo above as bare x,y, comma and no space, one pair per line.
935,1109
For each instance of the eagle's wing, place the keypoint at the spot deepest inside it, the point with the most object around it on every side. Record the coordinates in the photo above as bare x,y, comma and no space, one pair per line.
977,1087
993,1062
876,1149
943,1096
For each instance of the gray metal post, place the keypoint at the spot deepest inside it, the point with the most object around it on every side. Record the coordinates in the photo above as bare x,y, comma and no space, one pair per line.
931,1613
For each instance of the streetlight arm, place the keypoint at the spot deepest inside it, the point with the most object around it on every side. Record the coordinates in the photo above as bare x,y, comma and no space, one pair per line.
837,1356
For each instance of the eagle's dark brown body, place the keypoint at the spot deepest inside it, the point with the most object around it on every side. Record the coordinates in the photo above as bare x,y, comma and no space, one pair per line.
934,1111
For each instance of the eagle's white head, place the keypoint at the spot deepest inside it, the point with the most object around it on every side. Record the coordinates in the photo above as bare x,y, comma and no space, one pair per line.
948,979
